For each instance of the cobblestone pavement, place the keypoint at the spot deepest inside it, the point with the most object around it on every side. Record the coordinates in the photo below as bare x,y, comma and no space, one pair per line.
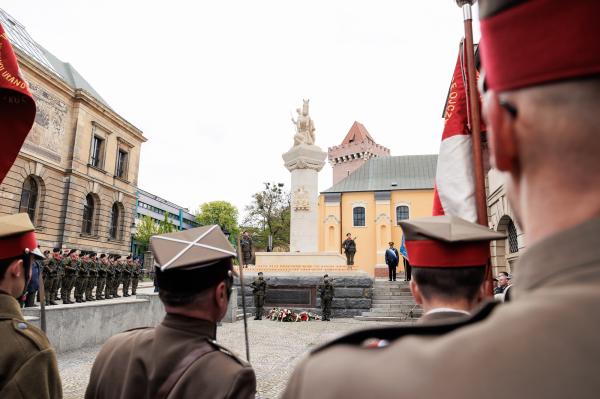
275,348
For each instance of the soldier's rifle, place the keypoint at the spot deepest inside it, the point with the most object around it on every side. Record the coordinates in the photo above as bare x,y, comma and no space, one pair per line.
241,268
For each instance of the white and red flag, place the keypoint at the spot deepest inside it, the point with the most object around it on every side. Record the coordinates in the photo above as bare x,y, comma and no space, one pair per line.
455,181
17,108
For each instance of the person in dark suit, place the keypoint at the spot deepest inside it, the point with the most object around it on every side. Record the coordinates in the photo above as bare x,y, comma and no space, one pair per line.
392,258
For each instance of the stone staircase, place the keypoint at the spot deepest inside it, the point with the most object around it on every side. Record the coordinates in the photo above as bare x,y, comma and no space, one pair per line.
392,301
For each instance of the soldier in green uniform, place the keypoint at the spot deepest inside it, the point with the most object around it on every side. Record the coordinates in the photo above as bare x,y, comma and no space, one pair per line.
118,267
57,259
327,293
70,265
92,277
82,278
259,290
28,367
102,267
126,275
135,277
50,273
110,277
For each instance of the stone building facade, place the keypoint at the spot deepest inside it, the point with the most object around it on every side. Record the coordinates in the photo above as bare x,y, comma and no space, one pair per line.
502,219
76,174
357,148
371,202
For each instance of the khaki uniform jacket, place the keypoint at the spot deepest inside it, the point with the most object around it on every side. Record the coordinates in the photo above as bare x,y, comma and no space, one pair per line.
542,344
28,367
135,364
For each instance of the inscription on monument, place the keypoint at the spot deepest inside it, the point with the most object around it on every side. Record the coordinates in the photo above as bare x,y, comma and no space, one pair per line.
288,296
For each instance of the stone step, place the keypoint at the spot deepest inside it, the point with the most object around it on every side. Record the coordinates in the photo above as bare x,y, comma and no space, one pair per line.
404,309
392,305
415,314
393,300
392,296
385,318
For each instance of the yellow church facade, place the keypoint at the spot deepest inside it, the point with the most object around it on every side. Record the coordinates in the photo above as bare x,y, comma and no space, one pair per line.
371,201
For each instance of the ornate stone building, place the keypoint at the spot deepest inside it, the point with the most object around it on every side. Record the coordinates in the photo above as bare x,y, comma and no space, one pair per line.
501,218
76,174
357,148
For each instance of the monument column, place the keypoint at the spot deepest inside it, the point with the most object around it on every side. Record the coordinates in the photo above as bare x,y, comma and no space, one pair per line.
304,161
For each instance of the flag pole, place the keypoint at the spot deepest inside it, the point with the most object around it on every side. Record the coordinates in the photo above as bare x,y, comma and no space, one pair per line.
475,123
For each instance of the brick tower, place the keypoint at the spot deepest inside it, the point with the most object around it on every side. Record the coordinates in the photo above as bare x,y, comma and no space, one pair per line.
356,149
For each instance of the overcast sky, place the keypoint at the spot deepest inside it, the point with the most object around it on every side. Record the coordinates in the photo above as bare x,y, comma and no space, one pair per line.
212,84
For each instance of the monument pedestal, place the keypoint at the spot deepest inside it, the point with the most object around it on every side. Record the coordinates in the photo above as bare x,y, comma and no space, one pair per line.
304,163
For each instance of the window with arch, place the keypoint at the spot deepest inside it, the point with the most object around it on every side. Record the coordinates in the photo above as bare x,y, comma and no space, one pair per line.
402,213
513,243
29,198
358,216
115,222
88,215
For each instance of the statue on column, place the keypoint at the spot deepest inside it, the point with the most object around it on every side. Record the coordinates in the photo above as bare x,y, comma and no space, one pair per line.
305,127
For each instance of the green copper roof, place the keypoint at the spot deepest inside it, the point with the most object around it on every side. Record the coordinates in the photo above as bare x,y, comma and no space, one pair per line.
406,172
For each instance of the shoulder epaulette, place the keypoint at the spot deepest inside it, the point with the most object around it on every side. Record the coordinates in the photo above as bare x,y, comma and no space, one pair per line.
228,352
391,334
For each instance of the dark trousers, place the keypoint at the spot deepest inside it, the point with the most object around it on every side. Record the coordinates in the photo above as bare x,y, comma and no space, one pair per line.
392,272
407,269
350,258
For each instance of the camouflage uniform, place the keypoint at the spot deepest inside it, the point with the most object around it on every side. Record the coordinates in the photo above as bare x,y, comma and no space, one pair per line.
81,280
259,290
92,277
327,292
110,279
50,273
101,280
135,277
71,268
118,276
127,272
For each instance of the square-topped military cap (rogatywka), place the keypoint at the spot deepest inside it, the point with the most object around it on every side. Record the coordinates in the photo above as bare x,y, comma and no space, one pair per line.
447,241
17,237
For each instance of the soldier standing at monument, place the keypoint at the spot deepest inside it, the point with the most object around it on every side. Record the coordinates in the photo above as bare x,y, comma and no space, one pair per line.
57,260
259,290
246,243
118,268
127,273
92,277
135,275
110,277
70,265
349,246
327,293
82,278
101,265
50,274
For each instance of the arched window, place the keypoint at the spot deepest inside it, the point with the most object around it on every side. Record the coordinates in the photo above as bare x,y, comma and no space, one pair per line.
115,222
359,216
29,198
513,243
88,215
402,213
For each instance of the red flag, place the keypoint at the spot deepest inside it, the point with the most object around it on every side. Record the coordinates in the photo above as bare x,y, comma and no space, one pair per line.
455,183
17,108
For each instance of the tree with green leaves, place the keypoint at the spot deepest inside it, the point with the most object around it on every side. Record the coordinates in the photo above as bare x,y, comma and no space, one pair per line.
222,213
269,215
146,229
165,226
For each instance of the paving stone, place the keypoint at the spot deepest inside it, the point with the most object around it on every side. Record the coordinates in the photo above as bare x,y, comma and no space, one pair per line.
275,349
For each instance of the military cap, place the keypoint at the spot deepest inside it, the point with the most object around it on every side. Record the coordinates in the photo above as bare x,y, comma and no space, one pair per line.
56,249
17,237
71,252
447,241
102,256
518,49
192,260
92,254
129,257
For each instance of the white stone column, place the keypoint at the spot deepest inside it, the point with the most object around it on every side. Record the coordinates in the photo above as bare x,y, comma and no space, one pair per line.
304,163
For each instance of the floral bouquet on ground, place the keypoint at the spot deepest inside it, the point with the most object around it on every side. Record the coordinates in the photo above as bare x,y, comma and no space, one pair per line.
286,315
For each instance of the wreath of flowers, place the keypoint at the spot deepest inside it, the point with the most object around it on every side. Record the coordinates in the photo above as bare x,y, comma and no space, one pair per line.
286,315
